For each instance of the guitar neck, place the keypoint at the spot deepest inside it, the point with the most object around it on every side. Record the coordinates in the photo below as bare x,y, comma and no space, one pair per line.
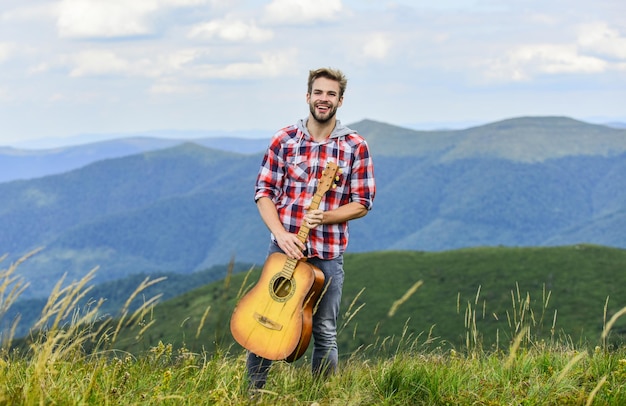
303,233
324,184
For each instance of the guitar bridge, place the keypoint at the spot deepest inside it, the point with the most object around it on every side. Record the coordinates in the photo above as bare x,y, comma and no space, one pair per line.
267,323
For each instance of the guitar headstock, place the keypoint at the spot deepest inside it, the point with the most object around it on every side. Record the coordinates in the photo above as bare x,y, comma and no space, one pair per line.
328,177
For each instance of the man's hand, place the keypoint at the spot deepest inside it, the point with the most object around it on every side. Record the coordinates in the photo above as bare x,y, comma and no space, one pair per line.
290,244
313,218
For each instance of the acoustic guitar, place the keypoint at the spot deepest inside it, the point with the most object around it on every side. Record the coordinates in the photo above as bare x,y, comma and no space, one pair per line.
274,319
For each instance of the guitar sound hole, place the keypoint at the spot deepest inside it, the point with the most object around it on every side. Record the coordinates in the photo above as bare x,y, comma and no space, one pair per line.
282,287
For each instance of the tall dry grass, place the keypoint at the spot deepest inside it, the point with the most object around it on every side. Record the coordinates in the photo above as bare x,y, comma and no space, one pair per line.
63,333
71,359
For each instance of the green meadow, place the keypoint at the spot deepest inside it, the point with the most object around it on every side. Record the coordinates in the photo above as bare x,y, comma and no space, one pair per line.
480,326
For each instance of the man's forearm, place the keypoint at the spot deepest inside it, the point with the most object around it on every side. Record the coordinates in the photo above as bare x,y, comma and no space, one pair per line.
269,215
344,213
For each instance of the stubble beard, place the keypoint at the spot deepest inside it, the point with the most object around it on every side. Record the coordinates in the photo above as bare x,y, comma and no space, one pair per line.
323,118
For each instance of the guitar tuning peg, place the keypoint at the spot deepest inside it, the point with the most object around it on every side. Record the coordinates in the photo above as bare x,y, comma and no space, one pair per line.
334,186
337,178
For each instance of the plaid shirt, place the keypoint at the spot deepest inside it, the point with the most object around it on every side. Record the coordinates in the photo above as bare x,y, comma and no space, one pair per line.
290,171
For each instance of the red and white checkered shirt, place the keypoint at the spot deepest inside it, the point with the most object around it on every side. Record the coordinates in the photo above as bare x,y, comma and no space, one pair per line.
290,172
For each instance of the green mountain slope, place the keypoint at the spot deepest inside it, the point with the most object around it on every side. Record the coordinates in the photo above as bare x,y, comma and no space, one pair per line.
524,139
436,206
166,210
571,285
189,207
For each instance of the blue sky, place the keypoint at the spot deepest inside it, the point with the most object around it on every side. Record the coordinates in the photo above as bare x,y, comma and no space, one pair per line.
71,67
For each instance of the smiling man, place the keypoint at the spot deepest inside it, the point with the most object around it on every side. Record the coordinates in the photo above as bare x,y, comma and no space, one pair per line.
286,183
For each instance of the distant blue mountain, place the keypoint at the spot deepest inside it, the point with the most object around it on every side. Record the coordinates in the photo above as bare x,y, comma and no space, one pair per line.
532,181
29,163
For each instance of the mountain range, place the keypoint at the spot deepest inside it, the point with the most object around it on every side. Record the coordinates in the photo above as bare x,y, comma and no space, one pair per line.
134,206
20,163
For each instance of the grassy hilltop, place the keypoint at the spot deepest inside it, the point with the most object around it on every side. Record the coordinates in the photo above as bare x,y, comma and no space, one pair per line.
464,327
560,292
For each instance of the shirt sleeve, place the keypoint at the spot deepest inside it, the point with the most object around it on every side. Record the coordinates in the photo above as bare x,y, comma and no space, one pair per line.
362,183
270,177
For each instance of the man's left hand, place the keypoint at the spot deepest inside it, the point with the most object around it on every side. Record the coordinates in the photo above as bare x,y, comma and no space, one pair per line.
313,218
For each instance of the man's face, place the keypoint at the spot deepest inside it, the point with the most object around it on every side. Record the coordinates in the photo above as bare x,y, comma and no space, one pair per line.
324,99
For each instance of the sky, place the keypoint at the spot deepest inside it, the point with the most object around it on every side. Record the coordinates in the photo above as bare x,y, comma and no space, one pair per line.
115,67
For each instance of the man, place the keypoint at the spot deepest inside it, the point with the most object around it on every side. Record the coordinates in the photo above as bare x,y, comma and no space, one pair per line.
287,181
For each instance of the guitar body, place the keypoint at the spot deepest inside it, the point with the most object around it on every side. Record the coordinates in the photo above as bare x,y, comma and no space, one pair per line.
274,319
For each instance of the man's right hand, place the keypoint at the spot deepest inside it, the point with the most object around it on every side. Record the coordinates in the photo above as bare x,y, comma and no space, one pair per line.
290,244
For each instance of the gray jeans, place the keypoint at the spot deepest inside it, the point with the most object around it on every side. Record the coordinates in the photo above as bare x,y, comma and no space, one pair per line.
325,355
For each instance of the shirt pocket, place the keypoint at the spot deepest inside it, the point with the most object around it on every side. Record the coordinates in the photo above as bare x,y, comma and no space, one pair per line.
297,169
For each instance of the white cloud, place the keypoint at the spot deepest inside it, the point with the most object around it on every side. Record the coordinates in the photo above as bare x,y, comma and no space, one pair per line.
6,49
81,18
598,38
98,63
178,60
231,30
4,96
527,61
37,12
172,71
377,46
172,86
558,59
89,53
302,11
597,49
108,63
271,64
112,18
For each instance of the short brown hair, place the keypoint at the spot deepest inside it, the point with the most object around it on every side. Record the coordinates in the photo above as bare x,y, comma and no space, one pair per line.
328,73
